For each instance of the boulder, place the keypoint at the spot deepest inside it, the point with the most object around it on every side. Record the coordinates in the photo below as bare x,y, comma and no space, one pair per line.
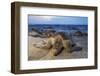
78,33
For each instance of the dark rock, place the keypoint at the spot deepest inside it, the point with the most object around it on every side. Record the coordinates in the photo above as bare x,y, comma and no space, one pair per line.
85,34
78,33
36,30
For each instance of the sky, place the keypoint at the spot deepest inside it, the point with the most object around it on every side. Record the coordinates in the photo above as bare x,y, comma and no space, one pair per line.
72,20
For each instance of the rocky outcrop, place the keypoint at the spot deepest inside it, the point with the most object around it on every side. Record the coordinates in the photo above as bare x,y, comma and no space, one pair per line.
78,33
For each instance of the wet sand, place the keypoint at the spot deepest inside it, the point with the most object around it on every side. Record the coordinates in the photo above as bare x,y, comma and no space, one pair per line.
35,53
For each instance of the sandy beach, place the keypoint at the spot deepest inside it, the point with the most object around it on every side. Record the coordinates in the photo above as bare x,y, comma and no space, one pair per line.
35,53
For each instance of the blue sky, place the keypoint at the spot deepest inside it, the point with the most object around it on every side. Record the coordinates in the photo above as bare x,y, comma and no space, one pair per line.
32,19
